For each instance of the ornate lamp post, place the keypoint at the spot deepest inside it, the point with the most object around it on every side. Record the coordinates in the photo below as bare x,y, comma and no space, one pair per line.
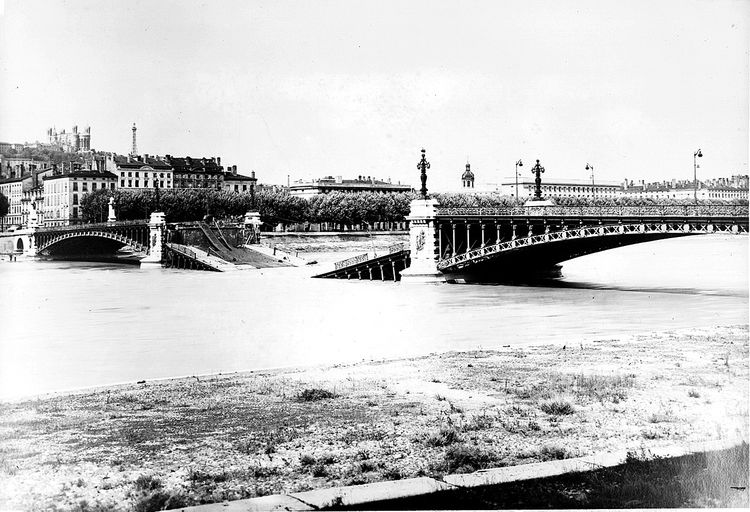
593,185
518,164
423,165
538,170
695,174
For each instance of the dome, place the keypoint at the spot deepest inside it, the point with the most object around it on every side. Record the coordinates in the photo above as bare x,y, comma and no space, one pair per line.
467,175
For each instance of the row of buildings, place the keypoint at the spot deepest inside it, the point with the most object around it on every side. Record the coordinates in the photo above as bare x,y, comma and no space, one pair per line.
56,190
734,188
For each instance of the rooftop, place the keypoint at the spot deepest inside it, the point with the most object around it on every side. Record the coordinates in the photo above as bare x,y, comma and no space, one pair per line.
83,174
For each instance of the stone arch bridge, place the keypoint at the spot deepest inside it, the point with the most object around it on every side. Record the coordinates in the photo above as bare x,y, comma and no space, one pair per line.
93,238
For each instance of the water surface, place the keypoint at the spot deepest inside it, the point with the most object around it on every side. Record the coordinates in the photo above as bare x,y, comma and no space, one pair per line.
67,325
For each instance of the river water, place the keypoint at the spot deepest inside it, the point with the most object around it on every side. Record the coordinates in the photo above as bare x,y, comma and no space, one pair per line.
66,325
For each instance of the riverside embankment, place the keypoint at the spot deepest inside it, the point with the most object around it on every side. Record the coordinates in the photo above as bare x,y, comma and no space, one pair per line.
207,439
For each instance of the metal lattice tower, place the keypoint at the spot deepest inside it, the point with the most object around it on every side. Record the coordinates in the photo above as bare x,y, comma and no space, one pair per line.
134,151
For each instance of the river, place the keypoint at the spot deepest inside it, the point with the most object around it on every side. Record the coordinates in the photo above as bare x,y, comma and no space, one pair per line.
67,325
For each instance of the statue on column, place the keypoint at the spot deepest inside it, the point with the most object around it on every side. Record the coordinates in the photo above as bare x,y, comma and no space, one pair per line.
111,217
33,221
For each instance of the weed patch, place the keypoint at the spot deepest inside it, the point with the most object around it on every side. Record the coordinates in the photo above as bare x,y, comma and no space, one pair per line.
314,395
443,437
467,459
557,407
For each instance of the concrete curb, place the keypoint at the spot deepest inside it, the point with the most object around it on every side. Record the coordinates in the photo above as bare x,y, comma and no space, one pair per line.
355,495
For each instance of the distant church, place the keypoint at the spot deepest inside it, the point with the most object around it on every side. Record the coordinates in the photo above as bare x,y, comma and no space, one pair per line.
467,178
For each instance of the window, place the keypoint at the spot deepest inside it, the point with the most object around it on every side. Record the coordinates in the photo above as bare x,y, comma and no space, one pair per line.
93,186
112,186
75,186
161,175
161,184
85,186
236,188
130,183
136,174
75,198
244,188
122,183
136,182
75,212
130,175
145,183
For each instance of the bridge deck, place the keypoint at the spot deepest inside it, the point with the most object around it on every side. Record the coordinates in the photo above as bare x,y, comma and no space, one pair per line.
384,268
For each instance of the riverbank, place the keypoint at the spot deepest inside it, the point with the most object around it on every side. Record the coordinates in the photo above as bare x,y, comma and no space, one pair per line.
207,439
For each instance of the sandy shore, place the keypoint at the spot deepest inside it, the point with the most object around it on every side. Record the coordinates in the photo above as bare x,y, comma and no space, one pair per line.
196,440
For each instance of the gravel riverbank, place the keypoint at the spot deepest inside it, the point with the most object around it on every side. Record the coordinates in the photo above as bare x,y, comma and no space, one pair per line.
194,440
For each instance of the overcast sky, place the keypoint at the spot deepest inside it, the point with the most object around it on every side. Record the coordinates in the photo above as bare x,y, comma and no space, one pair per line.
342,87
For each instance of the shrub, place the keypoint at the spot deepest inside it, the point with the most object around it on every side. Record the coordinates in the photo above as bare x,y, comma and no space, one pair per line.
467,459
147,483
553,452
443,437
557,407
307,460
314,395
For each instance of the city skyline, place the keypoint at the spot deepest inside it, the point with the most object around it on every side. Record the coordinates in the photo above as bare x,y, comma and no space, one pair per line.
334,88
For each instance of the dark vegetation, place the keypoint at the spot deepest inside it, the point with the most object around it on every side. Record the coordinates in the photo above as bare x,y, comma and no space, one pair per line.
337,209
314,395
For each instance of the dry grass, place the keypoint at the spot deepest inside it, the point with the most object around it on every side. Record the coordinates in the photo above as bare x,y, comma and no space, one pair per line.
237,436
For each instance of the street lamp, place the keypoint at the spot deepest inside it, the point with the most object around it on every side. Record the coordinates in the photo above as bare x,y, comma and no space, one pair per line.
695,174
593,186
518,164
538,170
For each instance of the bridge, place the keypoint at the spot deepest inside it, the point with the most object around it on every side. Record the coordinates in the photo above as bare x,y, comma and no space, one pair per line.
101,238
146,239
497,243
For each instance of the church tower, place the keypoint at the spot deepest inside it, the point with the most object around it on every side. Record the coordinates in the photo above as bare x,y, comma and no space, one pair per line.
467,178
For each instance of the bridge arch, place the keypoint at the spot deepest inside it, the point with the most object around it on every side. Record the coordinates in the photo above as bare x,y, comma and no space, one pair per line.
90,241
19,244
544,251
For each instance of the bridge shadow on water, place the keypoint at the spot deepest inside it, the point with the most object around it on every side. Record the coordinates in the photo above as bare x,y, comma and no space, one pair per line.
555,278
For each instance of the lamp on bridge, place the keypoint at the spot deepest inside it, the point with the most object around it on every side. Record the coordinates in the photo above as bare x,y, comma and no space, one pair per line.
423,165
518,164
538,170
593,186
695,174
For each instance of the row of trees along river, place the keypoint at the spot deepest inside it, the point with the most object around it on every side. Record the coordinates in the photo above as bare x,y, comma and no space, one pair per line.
336,209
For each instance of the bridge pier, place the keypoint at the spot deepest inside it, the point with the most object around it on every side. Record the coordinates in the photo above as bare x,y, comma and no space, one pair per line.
157,226
423,242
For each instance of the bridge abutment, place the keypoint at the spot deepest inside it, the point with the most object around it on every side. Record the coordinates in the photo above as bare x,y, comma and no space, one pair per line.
157,226
423,242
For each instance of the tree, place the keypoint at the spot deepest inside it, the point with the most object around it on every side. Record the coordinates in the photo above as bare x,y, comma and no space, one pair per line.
4,207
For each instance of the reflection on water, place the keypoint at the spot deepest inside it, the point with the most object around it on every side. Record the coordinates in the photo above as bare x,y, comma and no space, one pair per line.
67,325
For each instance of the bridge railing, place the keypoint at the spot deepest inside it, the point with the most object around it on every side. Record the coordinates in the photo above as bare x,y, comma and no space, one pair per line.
98,225
661,210
360,258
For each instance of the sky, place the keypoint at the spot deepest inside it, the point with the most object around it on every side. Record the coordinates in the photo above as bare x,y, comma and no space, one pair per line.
307,89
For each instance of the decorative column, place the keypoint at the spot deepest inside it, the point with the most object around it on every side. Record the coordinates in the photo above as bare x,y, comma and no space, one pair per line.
453,240
111,216
157,225
423,238
32,225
